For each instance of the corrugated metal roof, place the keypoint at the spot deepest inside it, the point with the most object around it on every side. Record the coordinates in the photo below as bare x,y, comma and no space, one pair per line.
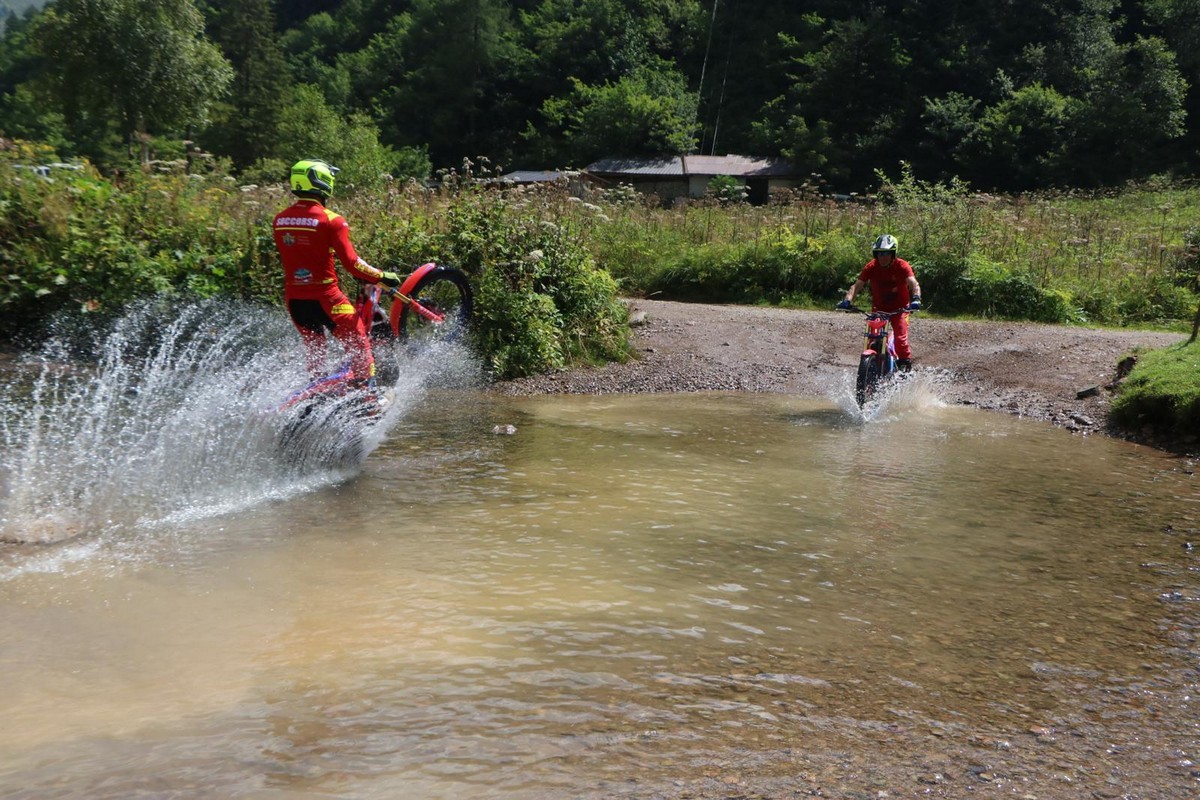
738,166
648,167
734,166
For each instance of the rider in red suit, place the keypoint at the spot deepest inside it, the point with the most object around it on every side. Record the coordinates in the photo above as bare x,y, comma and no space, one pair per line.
307,236
894,287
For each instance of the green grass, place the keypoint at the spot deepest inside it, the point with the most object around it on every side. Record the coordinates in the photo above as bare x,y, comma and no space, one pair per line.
1125,258
1163,393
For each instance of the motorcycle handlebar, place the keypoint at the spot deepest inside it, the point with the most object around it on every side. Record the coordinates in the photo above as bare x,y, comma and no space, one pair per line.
888,314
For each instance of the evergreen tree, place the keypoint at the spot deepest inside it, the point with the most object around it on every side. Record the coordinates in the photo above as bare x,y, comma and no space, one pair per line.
246,124
451,88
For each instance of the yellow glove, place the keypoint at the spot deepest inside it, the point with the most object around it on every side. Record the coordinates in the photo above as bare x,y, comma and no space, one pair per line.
390,280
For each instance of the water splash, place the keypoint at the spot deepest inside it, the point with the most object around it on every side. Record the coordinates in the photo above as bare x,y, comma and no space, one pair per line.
913,392
168,418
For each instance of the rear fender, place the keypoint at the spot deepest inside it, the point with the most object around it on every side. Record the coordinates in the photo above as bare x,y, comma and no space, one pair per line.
367,304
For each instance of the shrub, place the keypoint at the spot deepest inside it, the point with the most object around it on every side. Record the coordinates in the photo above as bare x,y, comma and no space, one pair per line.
79,241
517,331
727,190
785,268
942,285
1152,299
979,287
542,302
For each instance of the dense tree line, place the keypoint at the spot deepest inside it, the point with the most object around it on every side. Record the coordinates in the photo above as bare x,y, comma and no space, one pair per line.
1005,94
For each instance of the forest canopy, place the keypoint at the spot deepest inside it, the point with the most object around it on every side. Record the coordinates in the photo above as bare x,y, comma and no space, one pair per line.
1012,95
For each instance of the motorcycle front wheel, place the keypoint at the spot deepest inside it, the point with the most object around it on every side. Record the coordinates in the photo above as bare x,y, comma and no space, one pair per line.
868,378
446,292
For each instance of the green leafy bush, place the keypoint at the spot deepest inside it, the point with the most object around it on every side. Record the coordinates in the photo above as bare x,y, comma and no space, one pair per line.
1153,300
784,268
727,189
542,300
990,290
78,241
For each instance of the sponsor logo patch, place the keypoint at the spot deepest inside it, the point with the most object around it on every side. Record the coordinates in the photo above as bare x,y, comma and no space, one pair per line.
302,276
297,222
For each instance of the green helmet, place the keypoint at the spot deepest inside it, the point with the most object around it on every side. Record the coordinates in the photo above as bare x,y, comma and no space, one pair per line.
311,177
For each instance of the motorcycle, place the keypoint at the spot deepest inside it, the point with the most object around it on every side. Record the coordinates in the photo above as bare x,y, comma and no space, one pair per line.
877,361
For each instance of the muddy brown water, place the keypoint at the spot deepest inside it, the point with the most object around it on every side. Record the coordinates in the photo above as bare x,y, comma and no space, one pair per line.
719,595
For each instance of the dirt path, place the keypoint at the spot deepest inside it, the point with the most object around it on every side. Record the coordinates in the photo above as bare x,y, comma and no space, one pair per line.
1035,371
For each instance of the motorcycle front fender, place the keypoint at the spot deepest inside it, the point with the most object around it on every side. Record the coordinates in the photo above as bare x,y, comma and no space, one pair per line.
416,275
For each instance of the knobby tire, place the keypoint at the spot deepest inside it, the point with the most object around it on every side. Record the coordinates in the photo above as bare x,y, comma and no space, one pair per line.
868,379
445,291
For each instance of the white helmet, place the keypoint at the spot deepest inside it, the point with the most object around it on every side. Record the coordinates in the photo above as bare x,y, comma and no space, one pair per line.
884,244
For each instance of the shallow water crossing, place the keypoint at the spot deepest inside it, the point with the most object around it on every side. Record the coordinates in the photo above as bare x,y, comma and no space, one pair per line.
651,596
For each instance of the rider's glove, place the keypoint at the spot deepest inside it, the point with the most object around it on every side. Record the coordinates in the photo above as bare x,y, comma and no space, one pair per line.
390,280
914,304
844,304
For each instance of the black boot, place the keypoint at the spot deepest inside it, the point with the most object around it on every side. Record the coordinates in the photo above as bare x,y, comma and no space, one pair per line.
904,364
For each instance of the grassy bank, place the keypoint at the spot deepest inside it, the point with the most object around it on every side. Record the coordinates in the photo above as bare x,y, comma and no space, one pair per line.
1127,258
1162,395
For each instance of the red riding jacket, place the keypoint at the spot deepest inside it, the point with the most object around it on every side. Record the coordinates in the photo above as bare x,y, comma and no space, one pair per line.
889,285
307,236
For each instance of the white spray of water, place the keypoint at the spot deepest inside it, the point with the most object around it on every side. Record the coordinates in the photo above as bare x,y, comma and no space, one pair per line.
173,419
914,392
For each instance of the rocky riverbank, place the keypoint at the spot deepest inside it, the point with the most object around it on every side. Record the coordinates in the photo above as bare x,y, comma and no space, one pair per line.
1057,374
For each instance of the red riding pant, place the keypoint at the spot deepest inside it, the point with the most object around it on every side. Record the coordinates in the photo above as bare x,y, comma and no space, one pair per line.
331,312
900,331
